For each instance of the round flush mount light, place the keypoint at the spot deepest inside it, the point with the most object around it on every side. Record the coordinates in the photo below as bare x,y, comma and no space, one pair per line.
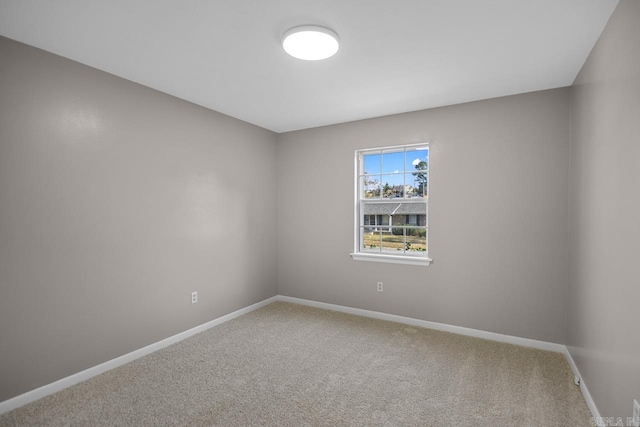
310,42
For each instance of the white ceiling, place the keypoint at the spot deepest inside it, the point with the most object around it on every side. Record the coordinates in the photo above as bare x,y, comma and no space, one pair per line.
395,56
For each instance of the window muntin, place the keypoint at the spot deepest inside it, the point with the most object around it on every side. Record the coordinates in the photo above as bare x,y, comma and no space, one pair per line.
392,202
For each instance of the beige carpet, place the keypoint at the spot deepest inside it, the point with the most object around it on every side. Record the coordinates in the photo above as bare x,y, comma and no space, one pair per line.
291,365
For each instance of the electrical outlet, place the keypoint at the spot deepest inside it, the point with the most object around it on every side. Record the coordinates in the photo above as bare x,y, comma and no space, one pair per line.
636,414
194,297
380,285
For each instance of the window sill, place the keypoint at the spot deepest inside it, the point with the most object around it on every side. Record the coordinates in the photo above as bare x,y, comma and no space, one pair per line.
393,259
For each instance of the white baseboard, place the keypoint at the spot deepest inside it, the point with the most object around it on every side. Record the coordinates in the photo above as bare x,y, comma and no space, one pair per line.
526,342
583,388
63,383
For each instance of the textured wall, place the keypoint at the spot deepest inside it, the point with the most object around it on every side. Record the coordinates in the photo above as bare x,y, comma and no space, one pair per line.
497,216
116,201
604,289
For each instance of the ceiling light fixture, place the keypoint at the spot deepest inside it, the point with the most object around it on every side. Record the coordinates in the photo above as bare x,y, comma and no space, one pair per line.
310,42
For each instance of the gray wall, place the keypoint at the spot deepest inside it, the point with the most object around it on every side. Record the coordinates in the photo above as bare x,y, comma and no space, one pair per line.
497,216
604,289
116,201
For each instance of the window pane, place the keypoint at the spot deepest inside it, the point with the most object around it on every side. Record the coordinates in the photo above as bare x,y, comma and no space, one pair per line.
371,164
414,157
419,184
393,162
370,185
393,240
419,163
423,189
416,240
392,186
370,239
376,221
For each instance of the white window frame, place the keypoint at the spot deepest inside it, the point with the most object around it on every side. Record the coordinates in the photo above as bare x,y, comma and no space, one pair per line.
388,257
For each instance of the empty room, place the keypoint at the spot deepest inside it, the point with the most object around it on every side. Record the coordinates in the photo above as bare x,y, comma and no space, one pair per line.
330,213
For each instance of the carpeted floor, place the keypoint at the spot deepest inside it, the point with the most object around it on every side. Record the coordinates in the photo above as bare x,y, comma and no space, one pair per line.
292,365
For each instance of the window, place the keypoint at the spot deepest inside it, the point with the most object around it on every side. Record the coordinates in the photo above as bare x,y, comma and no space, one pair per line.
391,204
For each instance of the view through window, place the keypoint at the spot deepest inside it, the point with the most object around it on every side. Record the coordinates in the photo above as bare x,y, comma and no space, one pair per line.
392,201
